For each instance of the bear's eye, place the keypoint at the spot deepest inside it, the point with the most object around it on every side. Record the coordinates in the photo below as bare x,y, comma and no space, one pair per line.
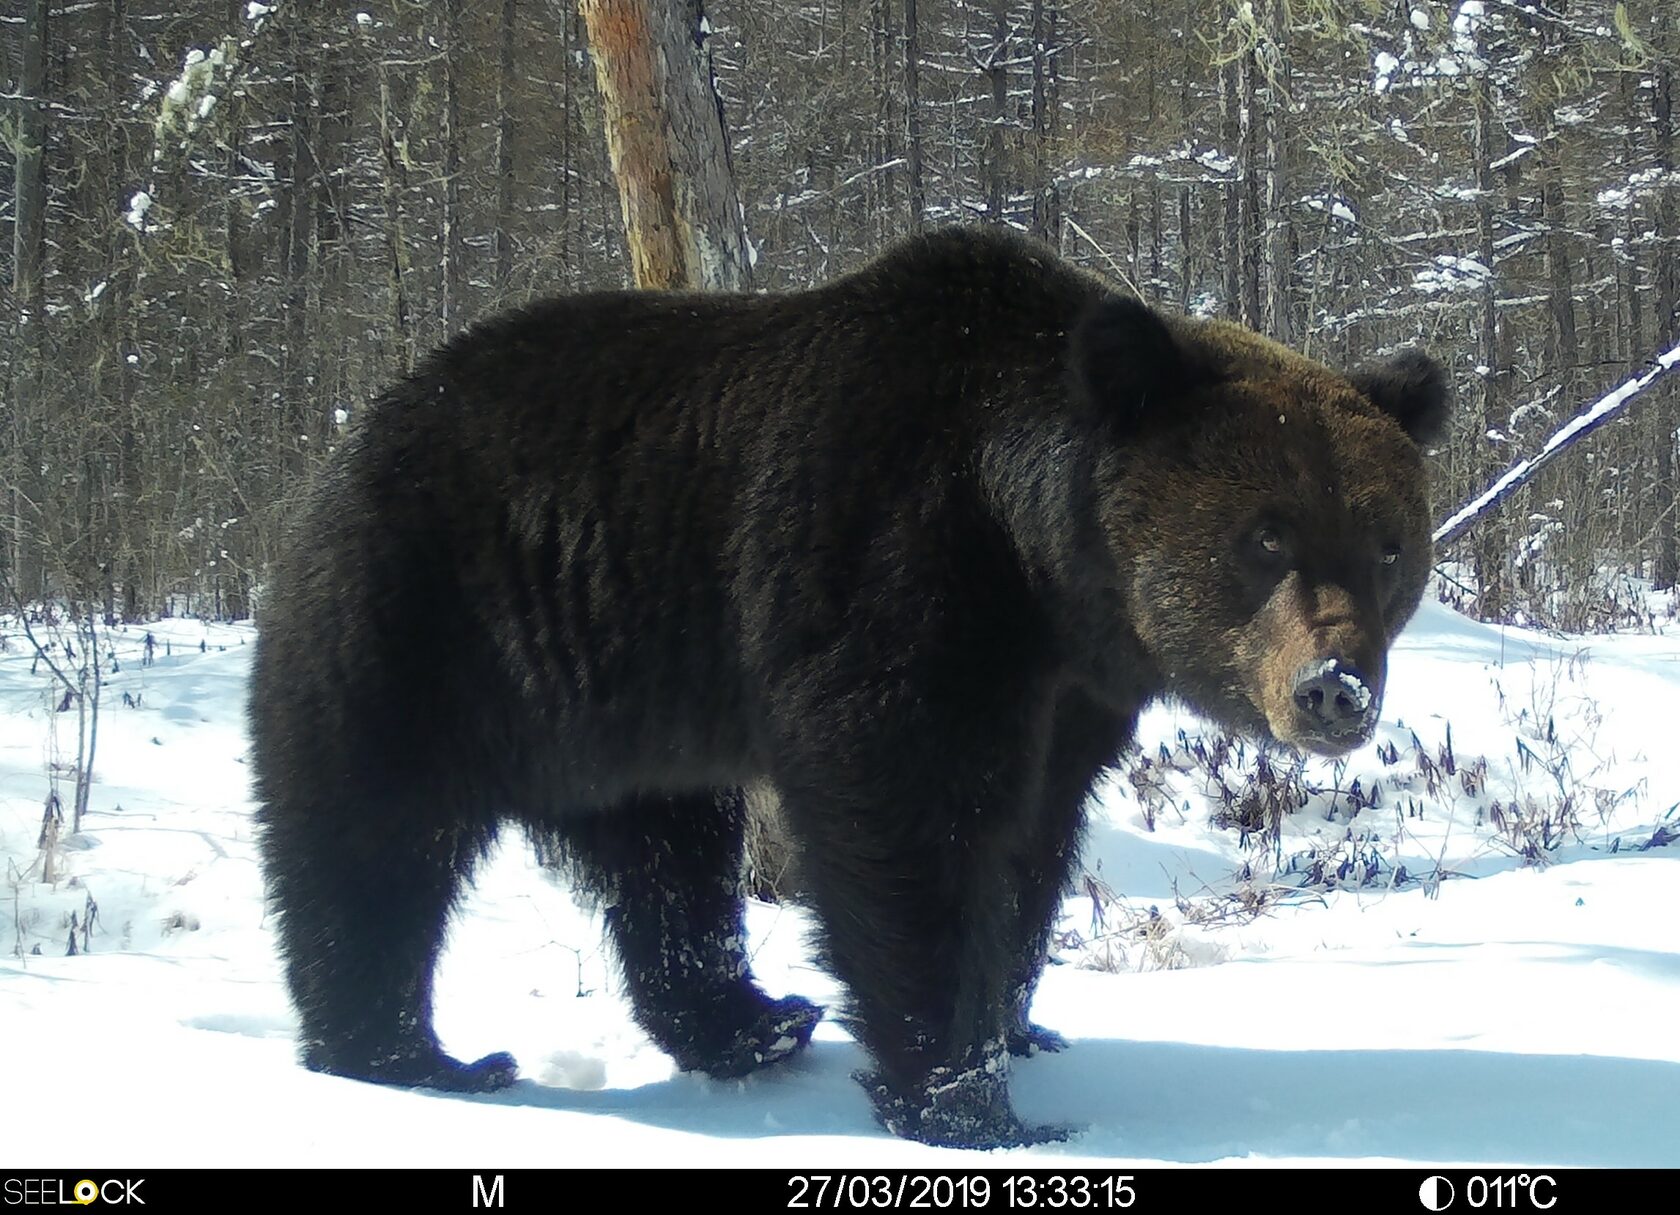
1391,555
1269,541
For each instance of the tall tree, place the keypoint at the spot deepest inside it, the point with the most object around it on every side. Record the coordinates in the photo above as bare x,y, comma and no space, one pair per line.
1666,565
665,133
1273,52
913,113
30,143
29,208
504,145
996,69
453,244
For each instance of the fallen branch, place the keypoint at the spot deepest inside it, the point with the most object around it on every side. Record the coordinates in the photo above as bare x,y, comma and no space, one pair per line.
1606,409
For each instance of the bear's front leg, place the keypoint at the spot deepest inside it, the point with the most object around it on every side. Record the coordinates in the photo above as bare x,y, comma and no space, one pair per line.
1086,737
916,893
964,1104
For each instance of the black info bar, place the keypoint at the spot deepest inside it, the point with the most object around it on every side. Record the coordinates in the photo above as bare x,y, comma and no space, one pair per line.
1116,1188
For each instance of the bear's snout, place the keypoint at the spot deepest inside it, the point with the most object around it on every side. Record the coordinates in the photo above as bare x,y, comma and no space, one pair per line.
1335,705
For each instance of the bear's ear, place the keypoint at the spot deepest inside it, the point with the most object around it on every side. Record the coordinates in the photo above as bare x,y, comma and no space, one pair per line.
1411,388
1123,360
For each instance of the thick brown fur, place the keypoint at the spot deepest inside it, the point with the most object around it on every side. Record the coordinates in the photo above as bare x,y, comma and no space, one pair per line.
914,547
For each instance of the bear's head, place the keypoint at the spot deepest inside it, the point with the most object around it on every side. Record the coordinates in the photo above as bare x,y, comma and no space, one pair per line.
1266,515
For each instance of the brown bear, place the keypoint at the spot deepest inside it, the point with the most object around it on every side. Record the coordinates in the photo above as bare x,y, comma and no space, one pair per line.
913,547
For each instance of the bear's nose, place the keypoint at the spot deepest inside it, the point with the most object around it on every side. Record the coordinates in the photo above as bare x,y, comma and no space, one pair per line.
1334,697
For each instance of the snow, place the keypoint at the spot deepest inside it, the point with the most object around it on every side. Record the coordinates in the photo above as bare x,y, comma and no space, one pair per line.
1451,273
137,208
1468,24
1215,160
190,97
1356,687
1337,205
1490,1006
1386,65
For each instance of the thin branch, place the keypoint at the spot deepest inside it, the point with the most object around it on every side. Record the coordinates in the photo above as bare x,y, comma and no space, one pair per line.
29,633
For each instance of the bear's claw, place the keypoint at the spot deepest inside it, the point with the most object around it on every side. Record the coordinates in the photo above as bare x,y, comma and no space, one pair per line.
431,1069
782,1030
966,1109
1030,1039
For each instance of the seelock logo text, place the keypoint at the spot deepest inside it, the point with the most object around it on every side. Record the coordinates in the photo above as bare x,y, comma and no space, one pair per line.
57,1192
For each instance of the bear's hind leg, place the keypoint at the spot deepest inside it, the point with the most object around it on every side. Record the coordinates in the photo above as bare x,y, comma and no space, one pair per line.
668,873
361,923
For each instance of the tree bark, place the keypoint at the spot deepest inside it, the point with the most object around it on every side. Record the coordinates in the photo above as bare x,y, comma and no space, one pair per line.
453,244
1566,345
913,113
1041,122
1230,120
1666,566
295,216
1252,229
29,202
1279,322
504,148
997,75
667,142
1491,548
30,182
393,182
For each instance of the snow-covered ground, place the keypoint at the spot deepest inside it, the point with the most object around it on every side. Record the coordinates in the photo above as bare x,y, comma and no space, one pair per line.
1393,981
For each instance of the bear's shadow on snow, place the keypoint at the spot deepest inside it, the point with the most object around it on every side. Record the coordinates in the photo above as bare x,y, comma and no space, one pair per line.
1191,1104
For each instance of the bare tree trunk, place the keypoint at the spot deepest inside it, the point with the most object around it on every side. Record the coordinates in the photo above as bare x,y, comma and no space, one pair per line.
393,180
997,74
29,204
132,526
1252,228
1230,107
453,246
1053,124
568,30
669,148
1279,323
87,711
295,215
504,149
1566,346
333,203
1667,558
30,198
913,112
1666,567
878,185
1491,549
1631,508
1041,122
